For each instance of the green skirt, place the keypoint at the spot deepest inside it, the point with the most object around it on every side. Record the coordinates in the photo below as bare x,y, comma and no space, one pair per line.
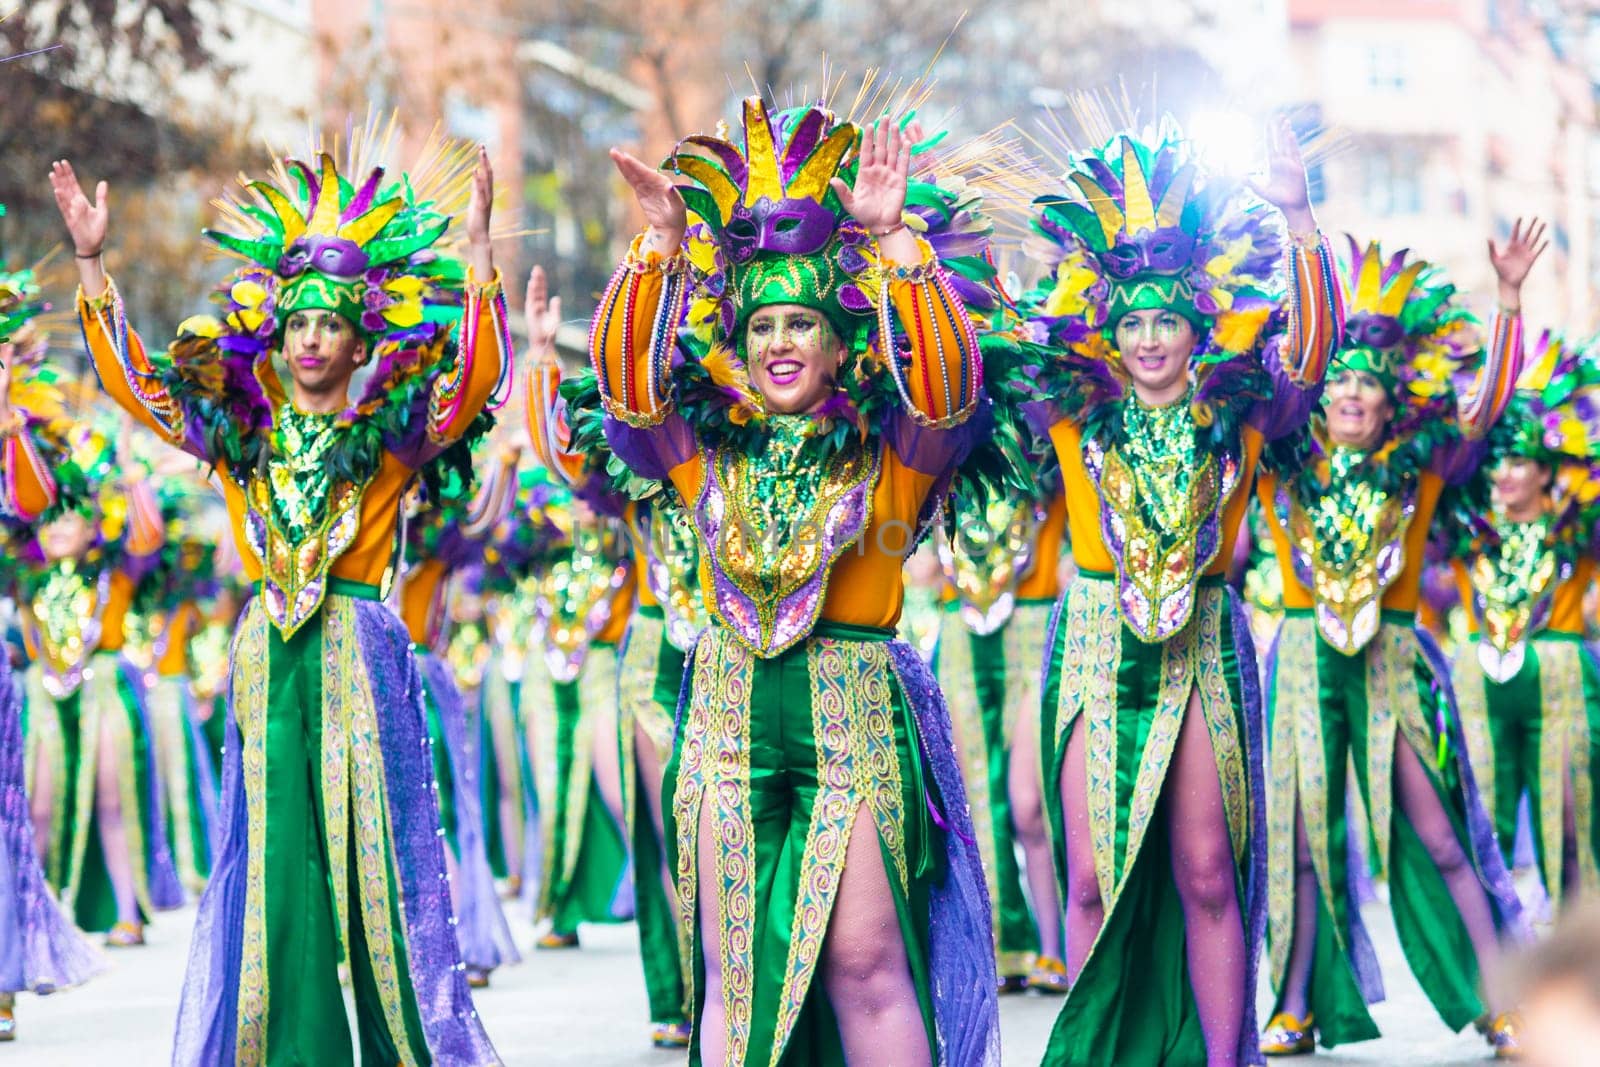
584,856
652,675
188,789
1535,733
781,757
1133,1001
1328,713
66,734
984,678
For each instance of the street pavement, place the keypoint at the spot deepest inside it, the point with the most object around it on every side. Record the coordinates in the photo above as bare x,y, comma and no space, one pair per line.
588,1007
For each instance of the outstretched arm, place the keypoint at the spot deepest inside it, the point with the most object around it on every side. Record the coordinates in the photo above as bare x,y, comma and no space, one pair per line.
941,380
1298,360
543,407
118,354
1491,390
481,374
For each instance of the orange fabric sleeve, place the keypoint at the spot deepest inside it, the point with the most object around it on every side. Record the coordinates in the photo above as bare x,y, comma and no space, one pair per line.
124,369
418,596
546,419
26,484
1043,581
113,621
180,626
620,611
1566,613
631,335
480,369
942,382
1497,379
1316,313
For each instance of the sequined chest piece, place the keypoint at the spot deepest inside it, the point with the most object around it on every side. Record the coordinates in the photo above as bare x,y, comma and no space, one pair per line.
672,571
776,521
66,612
572,599
1161,513
1348,547
985,555
1513,585
300,519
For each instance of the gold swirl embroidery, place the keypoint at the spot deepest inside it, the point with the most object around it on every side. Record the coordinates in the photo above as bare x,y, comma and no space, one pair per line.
1564,753
957,682
715,759
249,685
1092,628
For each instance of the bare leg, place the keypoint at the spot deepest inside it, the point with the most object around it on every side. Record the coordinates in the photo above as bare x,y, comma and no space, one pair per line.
41,807
607,764
1297,979
108,812
1086,912
1027,818
711,1027
651,771
1416,799
865,969
1203,868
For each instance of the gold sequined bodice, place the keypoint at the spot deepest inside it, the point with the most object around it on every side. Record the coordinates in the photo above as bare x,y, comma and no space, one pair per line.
1512,580
985,556
66,608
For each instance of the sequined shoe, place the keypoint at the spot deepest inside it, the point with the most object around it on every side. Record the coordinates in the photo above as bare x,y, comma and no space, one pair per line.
477,978
555,940
125,935
670,1035
8,1021
1287,1036
1013,983
1049,975
1502,1036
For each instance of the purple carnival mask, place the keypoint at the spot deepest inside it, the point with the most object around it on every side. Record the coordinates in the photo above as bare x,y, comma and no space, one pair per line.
337,257
794,227
1367,329
1166,250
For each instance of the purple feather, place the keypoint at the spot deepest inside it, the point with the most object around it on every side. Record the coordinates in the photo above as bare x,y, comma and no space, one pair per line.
807,134
363,199
733,164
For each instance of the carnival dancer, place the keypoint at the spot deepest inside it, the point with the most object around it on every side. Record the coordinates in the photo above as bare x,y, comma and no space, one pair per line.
581,599
1180,356
40,949
668,615
445,533
330,848
172,597
983,667
92,780
832,897
1351,679
1522,544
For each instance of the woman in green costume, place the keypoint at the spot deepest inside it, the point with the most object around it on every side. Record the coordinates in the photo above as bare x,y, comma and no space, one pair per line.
1522,544
90,756
1351,679
988,661
1178,356
565,424
821,398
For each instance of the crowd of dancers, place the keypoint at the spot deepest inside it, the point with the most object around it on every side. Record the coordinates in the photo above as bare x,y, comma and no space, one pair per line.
880,633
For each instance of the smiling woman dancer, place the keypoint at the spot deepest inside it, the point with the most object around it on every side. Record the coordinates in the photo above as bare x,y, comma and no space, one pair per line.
1179,357
817,823
1351,679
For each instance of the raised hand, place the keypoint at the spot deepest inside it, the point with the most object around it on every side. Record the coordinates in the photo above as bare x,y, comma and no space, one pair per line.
480,255
1285,186
86,221
658,201
878,199
543,314
1513,260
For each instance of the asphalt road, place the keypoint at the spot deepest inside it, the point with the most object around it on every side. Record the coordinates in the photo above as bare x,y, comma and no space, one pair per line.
588,1007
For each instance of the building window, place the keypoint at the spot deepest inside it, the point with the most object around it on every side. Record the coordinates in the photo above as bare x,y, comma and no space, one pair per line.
1392,181
1386,67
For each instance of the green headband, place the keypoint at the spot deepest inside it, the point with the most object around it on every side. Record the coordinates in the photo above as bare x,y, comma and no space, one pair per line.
1154,292
313,291
810,281
1382,363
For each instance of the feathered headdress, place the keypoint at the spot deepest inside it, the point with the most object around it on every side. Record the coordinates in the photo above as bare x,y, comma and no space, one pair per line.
1554,414
1405,328
1140,224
